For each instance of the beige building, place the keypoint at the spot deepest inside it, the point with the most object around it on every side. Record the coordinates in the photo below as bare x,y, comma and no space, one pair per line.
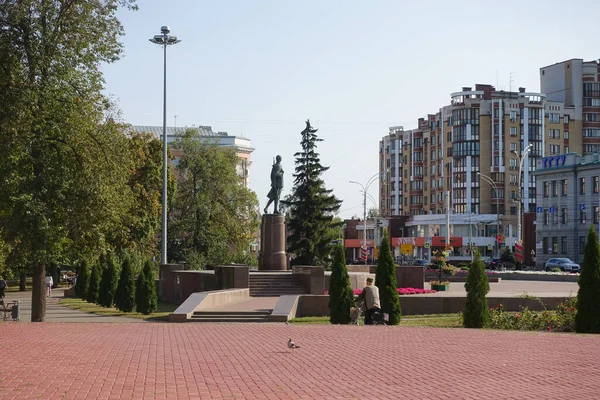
576,83
477,133
241,145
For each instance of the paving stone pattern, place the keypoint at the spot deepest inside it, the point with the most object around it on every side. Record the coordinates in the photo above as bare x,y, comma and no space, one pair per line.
252,361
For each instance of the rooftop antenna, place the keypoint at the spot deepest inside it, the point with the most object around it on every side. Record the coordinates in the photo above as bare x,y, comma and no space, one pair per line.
175,121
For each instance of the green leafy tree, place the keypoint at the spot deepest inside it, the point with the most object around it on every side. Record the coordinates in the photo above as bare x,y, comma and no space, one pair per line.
61,190
215,217
108,284
94,286
507,255
587,319
476,313
311,207
125,296
83,280
341,296
385,280
146,300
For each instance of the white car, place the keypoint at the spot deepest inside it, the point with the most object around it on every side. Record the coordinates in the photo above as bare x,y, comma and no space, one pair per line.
564,264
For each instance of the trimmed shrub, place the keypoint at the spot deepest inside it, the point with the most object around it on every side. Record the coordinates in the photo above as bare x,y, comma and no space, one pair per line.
146,301
125,295
108,284
476,313
83,280
341,296
385,280
94,285
587,319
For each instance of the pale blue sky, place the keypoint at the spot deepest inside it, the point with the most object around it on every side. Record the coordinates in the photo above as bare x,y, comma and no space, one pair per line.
261,68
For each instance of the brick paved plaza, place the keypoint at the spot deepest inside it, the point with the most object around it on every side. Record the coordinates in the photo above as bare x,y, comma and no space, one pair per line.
251,361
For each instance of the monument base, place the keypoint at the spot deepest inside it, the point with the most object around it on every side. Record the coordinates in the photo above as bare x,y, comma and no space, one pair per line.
272,256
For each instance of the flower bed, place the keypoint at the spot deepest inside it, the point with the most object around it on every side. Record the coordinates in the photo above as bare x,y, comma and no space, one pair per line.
560,320
401,291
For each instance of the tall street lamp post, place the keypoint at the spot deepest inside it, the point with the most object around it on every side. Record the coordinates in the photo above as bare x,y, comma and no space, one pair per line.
493,184
164,39
364,189
521,158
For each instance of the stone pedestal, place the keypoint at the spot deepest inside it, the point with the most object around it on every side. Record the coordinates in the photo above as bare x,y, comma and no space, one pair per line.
272,255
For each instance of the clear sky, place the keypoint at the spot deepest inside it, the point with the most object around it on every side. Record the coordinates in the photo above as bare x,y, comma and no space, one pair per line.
261,68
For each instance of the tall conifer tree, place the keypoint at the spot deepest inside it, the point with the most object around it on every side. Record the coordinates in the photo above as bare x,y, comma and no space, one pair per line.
311,207
587,319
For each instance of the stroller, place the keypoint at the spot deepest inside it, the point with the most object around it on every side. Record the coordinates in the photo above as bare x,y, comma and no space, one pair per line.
357,313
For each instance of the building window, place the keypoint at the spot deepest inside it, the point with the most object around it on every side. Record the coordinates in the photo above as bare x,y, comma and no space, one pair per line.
566,149
581,185
566,121
554,188
563,245
596,187
545,245
546,217
513,115
596,214
564,187
554,118
546,189
565,216
582,217
513,147
566,135
554,245
513,131
513,211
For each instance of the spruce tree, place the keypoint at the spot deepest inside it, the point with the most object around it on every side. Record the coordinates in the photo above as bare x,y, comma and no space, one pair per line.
476,313
125,296
311,207
341,296
94,286
385,280
108,284
587,319
83,280
146,300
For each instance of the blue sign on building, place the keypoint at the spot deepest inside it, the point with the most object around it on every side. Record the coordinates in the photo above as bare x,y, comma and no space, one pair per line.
538,210
582,207
552,209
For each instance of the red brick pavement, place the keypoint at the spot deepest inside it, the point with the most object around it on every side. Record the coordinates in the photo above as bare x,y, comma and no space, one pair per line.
251,361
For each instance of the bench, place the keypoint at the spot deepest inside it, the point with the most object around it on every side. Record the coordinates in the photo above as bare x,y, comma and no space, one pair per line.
9,311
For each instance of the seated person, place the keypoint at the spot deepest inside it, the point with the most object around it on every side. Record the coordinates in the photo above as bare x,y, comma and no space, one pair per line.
370,295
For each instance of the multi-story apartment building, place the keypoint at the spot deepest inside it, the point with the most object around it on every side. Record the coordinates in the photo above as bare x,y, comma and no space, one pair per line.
576,83
568,202
390,163
241,145
481,131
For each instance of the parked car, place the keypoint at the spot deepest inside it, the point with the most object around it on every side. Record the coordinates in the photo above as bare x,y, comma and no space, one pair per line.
495,264
424,263
564,264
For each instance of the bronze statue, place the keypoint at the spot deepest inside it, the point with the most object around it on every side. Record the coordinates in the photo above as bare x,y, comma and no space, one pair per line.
276,185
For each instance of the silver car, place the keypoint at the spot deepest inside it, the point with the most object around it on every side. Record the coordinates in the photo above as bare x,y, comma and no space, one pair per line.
564,264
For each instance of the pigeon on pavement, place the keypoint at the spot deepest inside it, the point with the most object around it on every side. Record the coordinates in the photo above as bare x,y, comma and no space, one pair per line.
292,345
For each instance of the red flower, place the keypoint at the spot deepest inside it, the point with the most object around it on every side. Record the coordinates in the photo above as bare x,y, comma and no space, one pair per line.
549,328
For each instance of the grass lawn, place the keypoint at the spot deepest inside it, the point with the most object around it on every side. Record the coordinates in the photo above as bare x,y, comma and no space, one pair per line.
433,320
161,314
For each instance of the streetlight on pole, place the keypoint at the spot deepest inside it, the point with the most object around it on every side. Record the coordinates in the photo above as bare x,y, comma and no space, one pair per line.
493,184
365,188
164,39
521,159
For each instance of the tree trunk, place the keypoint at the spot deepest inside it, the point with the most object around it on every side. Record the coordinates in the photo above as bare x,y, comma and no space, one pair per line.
22,282
38,293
